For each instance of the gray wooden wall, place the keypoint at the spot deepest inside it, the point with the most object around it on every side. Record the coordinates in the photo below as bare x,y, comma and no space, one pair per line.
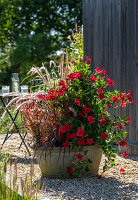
111,40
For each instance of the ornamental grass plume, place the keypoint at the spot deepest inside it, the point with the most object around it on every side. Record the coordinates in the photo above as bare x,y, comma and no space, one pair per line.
42,122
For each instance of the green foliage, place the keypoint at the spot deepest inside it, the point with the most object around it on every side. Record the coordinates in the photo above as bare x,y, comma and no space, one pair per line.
36,30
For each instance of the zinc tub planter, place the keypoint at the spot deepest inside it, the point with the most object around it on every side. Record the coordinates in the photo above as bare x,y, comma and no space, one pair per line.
54,163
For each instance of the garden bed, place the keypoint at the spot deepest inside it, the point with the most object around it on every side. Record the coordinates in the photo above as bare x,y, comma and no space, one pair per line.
113,184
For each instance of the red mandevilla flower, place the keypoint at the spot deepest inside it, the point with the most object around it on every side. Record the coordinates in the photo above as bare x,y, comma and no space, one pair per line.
97,70
51,97
123,143
75,75
128,120
41,96
129,98
68,136
65,128
89,141
66,144
115,99
60,92
133,101
81,142
119,125
103,121
130,93
88,59
123,103
52,91
70,170
80,132
121,96
79,156
125,154
73,136
62,83
100,90
77,101
91,119
110,82
93,79
62,130
102,71
122,170
101,95
86,109
104,136
81,60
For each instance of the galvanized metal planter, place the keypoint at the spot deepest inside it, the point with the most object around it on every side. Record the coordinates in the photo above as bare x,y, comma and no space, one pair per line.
54,163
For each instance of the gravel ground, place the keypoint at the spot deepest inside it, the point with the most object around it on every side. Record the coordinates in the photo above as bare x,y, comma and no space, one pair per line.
113,185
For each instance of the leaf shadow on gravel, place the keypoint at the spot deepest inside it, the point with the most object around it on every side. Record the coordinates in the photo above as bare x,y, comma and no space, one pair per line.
88,188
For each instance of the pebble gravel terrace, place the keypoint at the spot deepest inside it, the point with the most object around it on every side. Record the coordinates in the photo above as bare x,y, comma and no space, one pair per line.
112,186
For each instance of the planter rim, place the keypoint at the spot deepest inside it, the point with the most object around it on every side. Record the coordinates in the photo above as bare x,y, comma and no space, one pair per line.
51,148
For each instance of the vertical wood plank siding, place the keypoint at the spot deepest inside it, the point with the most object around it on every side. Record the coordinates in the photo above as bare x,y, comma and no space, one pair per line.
111,41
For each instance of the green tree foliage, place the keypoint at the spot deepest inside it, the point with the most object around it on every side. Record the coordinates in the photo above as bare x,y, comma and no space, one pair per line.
36,29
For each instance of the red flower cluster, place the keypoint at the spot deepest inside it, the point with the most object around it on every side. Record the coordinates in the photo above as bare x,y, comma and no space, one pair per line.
123,103
115,99
125,154
88,59
77,101
103,121
66,144
64,129
119,125
122,96
93,79
79,156
128,120
97,70
122,170
81,142
62,83
73,136
51,96
130,93
86,109
100,90
110,82
104,136
75,75
80,132
91,119
123,143
70,170
41,96
89,141
101,95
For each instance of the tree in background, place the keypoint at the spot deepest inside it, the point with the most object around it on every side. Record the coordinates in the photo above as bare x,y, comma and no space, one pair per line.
35,30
